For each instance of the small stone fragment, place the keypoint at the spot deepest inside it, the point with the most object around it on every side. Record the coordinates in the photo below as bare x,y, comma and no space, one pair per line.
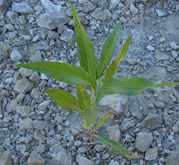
174,54
23,85
67,35
5,157
12,105
143,141
43,106
102,15
4,5
88,7
151,48
153,121
174,45
117,103
133,9
23,8
23,110
159,104
160,56
151,154
81,160
114,132
15,55
25,124
113,162
36,57
5,50
52,35
161,13
35,159
25,72
39,125
126,124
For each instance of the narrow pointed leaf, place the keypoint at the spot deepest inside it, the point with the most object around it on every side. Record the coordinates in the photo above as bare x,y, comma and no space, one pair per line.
64,99
68,73
130,85
103,120
117,147
108,49
100,93
89,116
83,96
86,49
112,69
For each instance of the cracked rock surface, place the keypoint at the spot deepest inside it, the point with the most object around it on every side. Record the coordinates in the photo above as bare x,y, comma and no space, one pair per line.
35,131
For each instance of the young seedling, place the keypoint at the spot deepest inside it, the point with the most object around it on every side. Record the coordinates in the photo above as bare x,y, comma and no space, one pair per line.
95,76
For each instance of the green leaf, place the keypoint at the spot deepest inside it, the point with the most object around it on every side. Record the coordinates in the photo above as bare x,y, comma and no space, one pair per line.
64,99
89,116
108,49
86,49
103,120
112,69
117,147
99,90
130,85
83,96
68,73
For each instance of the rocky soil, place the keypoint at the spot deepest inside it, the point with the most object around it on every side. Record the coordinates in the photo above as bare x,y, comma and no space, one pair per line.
35,131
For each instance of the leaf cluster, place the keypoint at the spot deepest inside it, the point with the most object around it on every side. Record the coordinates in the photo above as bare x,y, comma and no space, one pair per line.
98,77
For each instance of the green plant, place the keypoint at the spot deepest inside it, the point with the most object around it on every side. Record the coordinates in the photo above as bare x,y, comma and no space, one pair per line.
90,74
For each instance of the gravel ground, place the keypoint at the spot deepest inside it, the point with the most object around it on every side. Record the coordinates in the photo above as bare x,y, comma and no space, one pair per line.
34,131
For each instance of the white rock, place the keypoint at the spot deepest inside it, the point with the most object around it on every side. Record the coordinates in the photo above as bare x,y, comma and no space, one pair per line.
161,13
173,45
133,9
81,160
15,55
63,85
114,132
151,48
117,103
113,162
143,141
50,6
44,76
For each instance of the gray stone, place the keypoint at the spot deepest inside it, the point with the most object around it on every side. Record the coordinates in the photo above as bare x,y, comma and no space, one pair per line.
160,56
25,124
133,9
88,7
115,2
5,157
39,125
81,160
12,15
23,110
114,132
34,77
59,155
25,72
5,50
101,14
174,54
132,61
23,8
4,5
99,147
36,57
173,45
15,55
159,104
82,1
51,20
151,48
129,138
11,106
23,85
113,162
67,35
44,105
161,13
117,103
52,35
143,141
35,93
153,121
126,124
35,159
77,143
151,154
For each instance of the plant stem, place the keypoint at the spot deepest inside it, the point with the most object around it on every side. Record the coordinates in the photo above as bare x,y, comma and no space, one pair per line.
93,93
